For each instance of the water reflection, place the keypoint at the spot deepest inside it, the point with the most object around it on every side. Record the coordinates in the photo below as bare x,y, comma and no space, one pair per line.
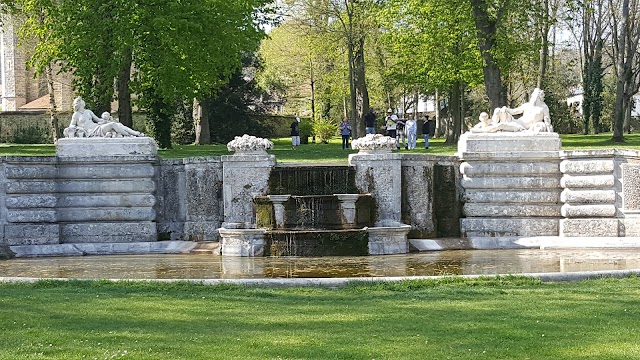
477,262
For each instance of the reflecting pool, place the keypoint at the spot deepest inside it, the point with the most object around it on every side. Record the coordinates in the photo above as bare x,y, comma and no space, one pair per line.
460,262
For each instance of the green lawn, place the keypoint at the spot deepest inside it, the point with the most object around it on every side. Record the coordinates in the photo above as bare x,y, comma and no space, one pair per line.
332,152
508,318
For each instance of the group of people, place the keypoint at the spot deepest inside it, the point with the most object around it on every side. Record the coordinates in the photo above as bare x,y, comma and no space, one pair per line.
406,131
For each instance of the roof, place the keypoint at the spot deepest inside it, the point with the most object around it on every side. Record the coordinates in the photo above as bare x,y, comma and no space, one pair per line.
39,103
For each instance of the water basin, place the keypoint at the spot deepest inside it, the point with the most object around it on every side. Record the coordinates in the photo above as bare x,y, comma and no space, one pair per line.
460,262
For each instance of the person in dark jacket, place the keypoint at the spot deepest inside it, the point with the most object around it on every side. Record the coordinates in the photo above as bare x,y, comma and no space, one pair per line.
295,133
370,123
426,130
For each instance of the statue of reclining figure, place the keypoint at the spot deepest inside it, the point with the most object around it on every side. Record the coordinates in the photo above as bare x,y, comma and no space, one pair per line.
534,117
84,123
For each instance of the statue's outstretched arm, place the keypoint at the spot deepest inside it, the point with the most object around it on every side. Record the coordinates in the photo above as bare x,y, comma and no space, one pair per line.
94,117
516,111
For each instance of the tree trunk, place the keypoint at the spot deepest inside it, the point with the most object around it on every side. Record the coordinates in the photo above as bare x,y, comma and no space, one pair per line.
313,92
456,112
487,34
586,96
201,120
124,95
362,93
627,114
352,85
622,68
544,49
53,111
438,130
416,101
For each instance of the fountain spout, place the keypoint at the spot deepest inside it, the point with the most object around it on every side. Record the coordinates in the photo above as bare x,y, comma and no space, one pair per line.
348,207
278,208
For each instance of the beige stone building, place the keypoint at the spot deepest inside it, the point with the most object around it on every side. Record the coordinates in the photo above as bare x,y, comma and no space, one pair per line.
21,90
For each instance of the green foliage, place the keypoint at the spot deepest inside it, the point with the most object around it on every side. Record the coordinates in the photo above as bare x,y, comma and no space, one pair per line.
234,109
176,47
182,129
433,43
33,134
306,128
325,129
159,119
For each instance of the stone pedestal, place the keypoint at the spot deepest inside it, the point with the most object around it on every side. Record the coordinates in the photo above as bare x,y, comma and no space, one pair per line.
379,173
348,207
278,208
105,190
511,184
242,242
245,176
98,146
388,240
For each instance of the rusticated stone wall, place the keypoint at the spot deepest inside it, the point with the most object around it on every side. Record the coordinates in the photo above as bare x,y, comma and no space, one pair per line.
189,198
431,195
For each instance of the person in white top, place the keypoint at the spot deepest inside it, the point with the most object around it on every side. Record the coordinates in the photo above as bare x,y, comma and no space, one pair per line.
390,123
412,133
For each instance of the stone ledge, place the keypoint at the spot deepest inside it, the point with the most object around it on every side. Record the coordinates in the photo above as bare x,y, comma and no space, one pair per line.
78,148
520,242
136,248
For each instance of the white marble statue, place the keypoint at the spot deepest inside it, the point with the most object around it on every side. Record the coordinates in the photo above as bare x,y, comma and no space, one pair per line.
534,117
374,143
485,122
84,123
249,144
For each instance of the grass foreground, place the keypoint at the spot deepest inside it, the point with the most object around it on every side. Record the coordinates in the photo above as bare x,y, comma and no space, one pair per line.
332,152
486,318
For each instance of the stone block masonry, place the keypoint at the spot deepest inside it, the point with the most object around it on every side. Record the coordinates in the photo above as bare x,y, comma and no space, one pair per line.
189,199
589,195
511,184
29,212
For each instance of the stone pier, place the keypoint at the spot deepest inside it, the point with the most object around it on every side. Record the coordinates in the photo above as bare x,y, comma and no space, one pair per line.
106,190
511,184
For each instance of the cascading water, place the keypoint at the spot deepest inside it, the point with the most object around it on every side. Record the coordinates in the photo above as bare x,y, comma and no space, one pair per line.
311,220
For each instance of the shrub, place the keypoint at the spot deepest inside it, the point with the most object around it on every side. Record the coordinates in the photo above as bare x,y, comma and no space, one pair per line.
324,129
306,130
33,134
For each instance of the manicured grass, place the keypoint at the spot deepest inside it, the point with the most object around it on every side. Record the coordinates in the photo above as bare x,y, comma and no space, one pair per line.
332,152
504,318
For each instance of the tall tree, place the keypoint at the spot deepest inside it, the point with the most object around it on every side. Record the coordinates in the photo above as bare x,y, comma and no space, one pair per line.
588,23
348,22
504,32
625,28
442,33
178,48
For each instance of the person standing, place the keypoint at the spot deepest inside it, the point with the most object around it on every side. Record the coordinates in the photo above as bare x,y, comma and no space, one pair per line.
295,133
345,131
390,123
370,122
426,131
401,136
412,129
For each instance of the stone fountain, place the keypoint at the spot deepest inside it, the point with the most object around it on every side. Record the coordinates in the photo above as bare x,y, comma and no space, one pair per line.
311,210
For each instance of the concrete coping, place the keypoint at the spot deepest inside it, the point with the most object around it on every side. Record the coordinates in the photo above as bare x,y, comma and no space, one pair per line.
341,282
